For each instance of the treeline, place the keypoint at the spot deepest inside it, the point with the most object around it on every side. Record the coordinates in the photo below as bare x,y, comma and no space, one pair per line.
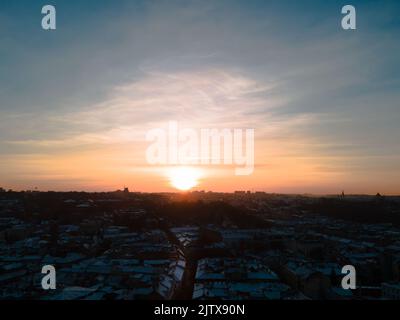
204,213
374,210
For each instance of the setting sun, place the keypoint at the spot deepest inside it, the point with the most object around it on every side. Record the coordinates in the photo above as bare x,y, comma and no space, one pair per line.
184,178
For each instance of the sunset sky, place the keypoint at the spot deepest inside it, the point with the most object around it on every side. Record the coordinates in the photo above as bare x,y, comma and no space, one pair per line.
76,103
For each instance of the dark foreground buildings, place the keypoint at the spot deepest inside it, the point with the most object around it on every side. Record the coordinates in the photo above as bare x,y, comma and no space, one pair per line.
200,245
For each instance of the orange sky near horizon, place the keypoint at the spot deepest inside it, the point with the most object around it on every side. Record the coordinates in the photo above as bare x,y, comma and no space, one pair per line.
113,167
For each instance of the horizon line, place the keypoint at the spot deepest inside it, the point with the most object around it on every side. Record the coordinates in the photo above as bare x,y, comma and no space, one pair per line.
204,191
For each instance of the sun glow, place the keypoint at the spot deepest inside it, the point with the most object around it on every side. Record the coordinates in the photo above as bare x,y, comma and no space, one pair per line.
184,178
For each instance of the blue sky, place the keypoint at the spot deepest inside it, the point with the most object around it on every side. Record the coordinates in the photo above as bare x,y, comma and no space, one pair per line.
315,94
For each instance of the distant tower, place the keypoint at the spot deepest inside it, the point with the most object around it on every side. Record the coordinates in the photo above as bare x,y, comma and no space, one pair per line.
342,195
